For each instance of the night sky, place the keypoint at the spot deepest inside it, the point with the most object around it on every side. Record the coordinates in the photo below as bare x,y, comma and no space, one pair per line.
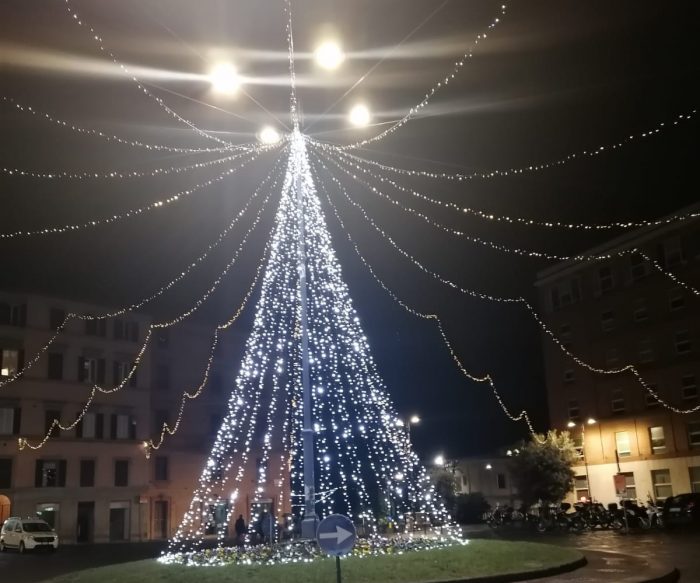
554,77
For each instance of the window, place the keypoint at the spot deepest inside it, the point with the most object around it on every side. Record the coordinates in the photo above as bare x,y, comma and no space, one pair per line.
13,315
574,410
672,252
121,370
87,473
612,356
91,370
501,481
676,300
650,399
569,376
121,473
657,439
123,427
565,335
694,434
57,317
50,474
645,350
5,472
622,442
689,387
605,279
694,478
90,426
162,377
640,312
96,327
161,468
607,320
55,370
51,415
126,330
662,484
639,268
566,293
617,402
630,485
9,362
581,487
10,420
683,343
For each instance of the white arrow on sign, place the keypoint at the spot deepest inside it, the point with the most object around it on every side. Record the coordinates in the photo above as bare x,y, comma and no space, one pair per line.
340,534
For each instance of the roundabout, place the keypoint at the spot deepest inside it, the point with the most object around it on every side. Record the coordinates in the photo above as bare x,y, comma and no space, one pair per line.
475,560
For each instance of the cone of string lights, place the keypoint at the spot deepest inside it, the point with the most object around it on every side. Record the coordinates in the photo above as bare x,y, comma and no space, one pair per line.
363,464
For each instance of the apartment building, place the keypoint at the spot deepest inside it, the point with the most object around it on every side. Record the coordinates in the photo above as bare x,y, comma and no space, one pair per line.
94,482
624,311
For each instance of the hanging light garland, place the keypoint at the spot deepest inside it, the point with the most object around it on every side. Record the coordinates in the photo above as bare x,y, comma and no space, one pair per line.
514,250
629,368
155,205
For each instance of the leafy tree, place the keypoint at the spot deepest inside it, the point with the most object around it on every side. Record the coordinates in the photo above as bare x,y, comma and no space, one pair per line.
470,508
542,468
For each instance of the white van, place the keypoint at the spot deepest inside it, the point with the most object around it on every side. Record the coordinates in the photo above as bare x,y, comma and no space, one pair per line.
26,534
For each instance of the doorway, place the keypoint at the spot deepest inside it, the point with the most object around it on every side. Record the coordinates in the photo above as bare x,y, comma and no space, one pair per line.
118,521
160,519
85,523
5,508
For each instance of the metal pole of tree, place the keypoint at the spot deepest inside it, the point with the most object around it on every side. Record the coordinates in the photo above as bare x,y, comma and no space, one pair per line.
310,520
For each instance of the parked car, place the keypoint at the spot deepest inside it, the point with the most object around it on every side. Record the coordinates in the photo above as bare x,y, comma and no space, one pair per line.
682,509
26,534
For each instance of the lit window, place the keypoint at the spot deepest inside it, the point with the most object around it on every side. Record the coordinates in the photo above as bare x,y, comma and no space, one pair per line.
88,428
683,343
694,434
689,387
581,487
617,402
9,362
607,320
657,439
630,485
662,484
622,442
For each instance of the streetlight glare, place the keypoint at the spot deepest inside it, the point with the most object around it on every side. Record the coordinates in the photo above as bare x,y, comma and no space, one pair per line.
269,135
591,421
439,460
359,115
224,78
571,424
329,55
414,419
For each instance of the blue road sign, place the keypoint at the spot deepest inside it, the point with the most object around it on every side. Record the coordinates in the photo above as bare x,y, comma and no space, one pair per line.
336,535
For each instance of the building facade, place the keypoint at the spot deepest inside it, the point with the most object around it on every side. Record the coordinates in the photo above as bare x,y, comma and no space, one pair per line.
94,482
623,311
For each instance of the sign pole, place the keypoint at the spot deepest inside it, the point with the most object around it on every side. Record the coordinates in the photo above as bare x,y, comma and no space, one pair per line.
338,578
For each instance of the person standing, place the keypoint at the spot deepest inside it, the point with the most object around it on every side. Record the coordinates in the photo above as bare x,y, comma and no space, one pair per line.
240,530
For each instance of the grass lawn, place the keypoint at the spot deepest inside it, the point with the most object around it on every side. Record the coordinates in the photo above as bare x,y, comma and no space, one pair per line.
477,559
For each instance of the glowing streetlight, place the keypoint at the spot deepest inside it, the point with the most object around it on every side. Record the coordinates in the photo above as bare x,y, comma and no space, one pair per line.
329,55
224,78
439,460
269,135
359,115
414,419
571,424
591,421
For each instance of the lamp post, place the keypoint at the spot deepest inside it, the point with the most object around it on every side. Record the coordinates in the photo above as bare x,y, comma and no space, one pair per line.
571,424
412,420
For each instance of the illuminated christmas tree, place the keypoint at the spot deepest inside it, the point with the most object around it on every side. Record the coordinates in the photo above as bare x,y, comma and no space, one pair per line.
308,387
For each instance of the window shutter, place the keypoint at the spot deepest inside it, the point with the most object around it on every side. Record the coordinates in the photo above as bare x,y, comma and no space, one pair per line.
79,426
38,473
113,426
81,369
115,373
99,426
101,370
17,421
62,466
132,428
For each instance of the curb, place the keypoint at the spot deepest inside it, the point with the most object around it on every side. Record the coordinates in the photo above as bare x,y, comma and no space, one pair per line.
526,575
671,577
